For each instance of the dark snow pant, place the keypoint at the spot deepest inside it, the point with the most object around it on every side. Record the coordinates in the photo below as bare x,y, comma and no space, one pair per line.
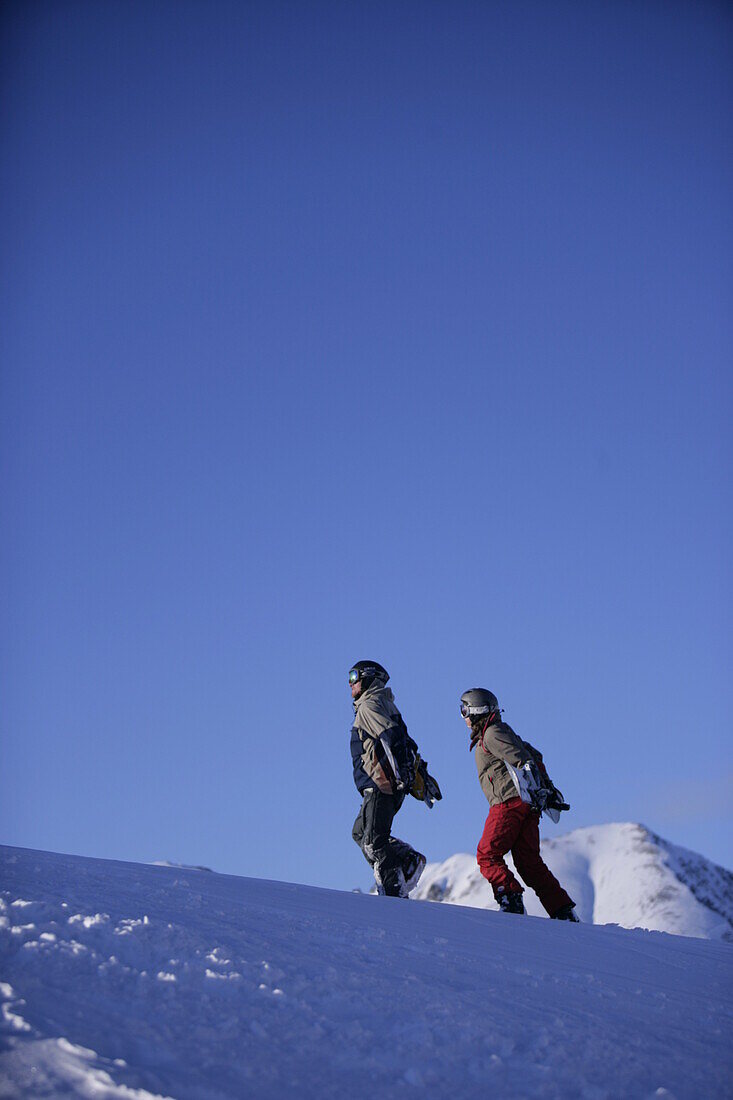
385,854
514,827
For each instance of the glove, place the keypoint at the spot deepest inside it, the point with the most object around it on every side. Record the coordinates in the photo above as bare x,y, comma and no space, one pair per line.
424,787
556,801
417,790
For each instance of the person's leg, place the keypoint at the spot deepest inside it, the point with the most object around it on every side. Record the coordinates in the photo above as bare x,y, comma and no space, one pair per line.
500,832
533,870
404,855
360,826
378,813
410,860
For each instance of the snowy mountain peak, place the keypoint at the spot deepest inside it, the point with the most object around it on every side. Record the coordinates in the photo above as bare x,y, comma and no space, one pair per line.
617,874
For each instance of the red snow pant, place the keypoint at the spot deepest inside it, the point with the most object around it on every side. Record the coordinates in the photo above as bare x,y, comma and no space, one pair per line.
514,826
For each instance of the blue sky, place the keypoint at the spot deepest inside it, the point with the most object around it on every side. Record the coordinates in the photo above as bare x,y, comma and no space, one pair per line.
333,331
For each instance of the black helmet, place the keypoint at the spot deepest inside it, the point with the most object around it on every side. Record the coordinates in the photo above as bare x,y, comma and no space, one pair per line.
365,672
478,701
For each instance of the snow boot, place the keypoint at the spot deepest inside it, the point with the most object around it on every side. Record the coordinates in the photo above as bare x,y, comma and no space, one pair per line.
412,869
510,901
566,912
391,883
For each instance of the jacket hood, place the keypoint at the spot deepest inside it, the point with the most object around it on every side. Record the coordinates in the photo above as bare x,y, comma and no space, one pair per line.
375,710
376,692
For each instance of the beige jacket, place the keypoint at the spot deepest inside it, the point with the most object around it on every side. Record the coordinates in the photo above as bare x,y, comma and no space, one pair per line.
499,743
380,745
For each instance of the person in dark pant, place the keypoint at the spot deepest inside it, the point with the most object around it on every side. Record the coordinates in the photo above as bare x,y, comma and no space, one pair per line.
385,761
503,759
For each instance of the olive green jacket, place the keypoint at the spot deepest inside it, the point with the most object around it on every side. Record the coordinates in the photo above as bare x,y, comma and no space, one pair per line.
498,743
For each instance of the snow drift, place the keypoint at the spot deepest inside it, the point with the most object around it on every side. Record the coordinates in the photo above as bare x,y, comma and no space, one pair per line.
128,981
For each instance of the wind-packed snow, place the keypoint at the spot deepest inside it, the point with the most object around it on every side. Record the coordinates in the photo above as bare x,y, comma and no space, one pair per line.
616,874
131,981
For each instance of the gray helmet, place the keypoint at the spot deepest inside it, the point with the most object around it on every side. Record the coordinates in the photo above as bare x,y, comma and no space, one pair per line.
366,672
478,701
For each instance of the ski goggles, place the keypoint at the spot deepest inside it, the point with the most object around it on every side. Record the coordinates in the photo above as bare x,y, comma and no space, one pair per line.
354,676
473,712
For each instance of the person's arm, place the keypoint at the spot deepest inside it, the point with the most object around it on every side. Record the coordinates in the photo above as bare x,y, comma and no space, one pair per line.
502,741
396,743
361,779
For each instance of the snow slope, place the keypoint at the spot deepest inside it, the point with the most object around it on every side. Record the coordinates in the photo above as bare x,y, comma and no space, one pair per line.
617,874
122,980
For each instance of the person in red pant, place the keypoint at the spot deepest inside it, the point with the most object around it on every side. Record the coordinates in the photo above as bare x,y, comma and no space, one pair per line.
502,759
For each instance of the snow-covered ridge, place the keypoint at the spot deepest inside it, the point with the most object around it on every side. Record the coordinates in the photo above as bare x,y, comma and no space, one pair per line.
136,982
180,866
617,874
